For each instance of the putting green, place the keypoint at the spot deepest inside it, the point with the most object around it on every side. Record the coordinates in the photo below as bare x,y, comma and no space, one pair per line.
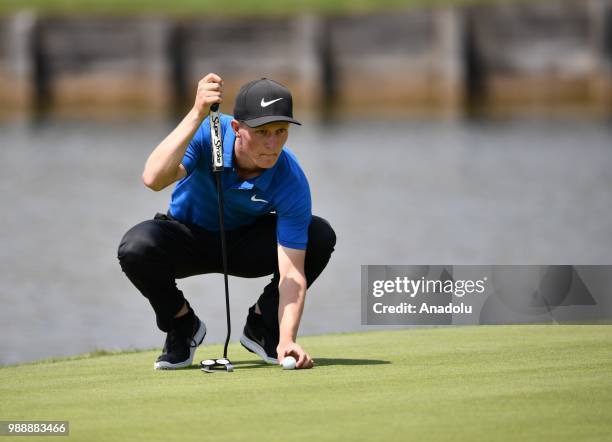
456,383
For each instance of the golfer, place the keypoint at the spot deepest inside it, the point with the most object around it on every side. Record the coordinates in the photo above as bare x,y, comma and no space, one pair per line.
269,226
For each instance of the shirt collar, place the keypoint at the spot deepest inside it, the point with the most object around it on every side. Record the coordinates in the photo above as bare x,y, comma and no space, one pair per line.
263,180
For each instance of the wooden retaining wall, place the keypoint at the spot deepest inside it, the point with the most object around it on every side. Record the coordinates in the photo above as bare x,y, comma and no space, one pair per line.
540,55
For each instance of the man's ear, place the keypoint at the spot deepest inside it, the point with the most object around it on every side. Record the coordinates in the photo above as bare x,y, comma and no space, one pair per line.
235,126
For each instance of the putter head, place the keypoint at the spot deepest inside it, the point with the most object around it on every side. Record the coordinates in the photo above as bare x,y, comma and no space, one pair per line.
212,365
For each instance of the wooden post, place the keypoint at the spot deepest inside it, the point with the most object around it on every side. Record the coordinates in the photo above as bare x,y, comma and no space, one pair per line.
307,38
18,89
450,50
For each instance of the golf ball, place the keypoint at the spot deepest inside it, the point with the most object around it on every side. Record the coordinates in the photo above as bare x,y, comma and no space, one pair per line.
288,363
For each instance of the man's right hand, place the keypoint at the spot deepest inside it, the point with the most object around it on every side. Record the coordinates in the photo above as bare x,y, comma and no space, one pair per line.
210,91
163,167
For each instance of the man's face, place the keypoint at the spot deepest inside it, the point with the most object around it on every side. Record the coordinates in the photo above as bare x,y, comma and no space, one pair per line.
259,147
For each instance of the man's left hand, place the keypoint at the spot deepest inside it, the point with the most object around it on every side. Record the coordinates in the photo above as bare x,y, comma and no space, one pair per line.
294,349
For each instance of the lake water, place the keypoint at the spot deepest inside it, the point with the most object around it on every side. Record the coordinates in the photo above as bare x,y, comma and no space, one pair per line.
396,192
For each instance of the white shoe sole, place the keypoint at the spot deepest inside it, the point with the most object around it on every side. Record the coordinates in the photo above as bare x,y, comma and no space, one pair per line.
257,349
198,338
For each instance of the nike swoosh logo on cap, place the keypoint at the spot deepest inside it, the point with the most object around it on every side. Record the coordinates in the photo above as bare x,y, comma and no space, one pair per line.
265,103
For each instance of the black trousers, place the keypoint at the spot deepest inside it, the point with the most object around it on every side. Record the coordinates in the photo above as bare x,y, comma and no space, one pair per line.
154,253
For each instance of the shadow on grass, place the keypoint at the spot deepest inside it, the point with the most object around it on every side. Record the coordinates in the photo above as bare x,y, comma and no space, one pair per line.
319,362
237,365
323,362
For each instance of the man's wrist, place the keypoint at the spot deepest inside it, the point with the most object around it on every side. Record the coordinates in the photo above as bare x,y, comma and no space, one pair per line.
283,342
198,114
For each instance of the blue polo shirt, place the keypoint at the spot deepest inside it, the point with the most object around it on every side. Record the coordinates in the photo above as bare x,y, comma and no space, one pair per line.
282,188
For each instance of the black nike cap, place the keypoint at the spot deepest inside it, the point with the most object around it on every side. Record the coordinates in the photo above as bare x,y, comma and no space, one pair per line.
264,101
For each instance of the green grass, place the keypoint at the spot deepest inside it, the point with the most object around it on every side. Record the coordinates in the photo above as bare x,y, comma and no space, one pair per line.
205,7
459,383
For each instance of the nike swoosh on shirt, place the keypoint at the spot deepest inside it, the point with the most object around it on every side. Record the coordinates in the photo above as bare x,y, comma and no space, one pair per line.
257,200
265,103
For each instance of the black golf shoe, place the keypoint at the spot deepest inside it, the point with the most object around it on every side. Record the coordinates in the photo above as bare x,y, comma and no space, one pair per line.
257,339
180,346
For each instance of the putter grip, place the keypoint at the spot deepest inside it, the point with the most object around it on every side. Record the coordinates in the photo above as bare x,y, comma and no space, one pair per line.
216,138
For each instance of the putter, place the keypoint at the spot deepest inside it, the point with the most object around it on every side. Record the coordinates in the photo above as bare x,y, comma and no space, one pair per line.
212,365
